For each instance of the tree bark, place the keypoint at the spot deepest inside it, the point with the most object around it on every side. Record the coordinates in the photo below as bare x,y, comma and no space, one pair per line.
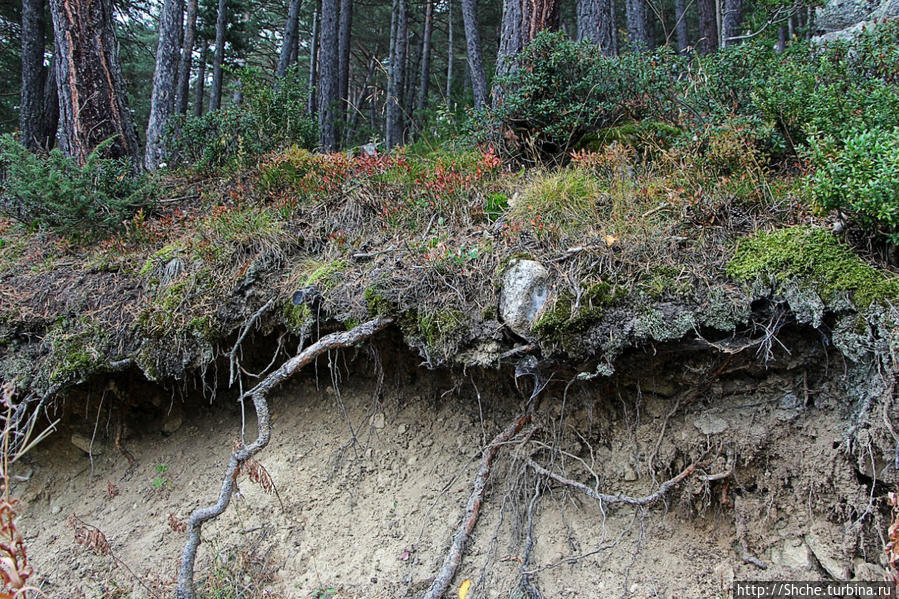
596,23
50,107
162,99
396,82
680,25
475,58
311,105
637,34
449,54
344,34
327,80
291,34
733,16
215,94
708,26
425,75
91,89
200,88
187,51
522,21
31,98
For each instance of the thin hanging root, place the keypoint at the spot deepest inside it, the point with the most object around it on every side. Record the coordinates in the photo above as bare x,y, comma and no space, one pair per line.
472,510
619,498
240,456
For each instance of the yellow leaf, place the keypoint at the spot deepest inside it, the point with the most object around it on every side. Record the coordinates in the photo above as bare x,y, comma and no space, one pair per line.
611,240
464,587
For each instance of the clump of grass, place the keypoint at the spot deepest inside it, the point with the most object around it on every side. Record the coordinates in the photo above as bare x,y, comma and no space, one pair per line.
561,202
814,257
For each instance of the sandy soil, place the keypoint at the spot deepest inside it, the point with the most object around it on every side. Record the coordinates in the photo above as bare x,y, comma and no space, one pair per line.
373,481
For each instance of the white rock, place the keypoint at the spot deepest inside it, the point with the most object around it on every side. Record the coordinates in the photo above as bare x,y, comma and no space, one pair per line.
709,424
524,294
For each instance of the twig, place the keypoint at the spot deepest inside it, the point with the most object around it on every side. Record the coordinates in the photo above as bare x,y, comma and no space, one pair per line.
454,555
620,497
239,457
232,357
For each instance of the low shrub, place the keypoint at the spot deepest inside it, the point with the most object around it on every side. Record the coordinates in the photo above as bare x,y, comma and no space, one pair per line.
55,192
860,177
271,116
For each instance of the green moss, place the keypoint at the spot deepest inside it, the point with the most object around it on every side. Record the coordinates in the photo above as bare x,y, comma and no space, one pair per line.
813,257
79,349
662,281
323,276
639,135
296,318
161,257
377,304
441,329
562,323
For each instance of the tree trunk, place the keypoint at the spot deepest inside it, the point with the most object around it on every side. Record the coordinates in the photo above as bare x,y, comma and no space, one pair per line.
344,34
425,76
708,26
187,52
733,16
291,34
162,98
475,58
680,25
327,80
50,107
32,93
781,39
200,89
449,54
353,118
522,21
311,105
596,23
91,89
396,82
215,94
637,34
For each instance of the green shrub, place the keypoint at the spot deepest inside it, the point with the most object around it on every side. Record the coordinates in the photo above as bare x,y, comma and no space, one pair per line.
55,192
271,116
859,177
560,90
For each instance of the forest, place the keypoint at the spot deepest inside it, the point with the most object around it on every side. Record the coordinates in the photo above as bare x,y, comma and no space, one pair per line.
619,280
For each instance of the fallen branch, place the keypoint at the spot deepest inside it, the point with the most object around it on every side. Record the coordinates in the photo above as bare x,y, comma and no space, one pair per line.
243,454
472,510
620,497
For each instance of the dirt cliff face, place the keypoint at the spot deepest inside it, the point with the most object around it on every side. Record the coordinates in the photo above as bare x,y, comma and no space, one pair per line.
373,457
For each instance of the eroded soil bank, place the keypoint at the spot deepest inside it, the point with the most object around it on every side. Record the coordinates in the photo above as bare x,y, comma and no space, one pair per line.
373,457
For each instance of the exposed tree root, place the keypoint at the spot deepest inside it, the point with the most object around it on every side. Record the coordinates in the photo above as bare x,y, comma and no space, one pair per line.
241,455
472,510
619,498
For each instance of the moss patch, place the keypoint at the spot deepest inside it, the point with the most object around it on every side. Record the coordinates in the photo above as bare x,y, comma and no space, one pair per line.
815,258
563,323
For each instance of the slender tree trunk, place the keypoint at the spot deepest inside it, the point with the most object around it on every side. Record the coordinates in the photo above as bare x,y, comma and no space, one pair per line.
291,34
449,54
733,16
162,99
345,29
396,82
412,67
187,52
522,21
353,117
680,26
92,102
475,58
596,23
200,87
781,39
50,107
32,92
708,26
637,34
312,105
215,94
425,76
327,80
